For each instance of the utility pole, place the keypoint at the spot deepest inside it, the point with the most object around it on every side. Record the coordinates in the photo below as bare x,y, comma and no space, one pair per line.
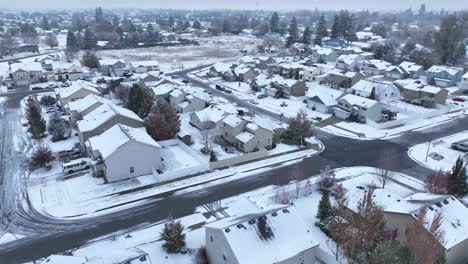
428,146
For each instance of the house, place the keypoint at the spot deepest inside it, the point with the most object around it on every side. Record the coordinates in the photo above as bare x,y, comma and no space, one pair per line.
26,73
349,62
79,108
399,212
76,90
444,76
248,61
323,55
308,73
144,66
150,76
357,108
104,117
218,69
375,67
245,135
412,69
244,73
337,79
260,82
281,87
112,67
208,118
240,239
381,91
116,148
421,94
262,62
60,259
162,91
67,70
290,69
464,84
188,99
323,99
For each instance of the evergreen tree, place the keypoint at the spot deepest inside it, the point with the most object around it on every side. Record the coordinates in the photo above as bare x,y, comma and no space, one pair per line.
449,40
293,33
135,98
173,236
213,156
459,184
274,23
321,31
98,14
57,127
45,24
306,38
186,25
72,42
37,124
335,31
196,24
283,28
325,210
170,22
90,40
89,59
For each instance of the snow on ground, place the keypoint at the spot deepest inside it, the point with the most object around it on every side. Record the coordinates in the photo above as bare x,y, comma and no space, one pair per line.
175,157
80,195
109,248
8,237
440,147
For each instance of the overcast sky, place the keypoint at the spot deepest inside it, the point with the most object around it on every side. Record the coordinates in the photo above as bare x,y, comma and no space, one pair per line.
240,4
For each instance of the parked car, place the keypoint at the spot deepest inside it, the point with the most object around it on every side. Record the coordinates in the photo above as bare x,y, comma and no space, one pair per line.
128,74
458,99
185,81
253,102
460,146
65,85
52,85
219,88
76,165
227,91
36,88
261,96
283,104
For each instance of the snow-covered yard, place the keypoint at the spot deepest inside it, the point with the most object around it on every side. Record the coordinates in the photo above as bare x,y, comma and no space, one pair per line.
441,155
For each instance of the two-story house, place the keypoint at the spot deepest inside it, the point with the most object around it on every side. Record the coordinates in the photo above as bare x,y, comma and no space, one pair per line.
245,135
375,67
188,99
357,108
418,93
378,90
26,73
112,67
144,66
67,70
444,76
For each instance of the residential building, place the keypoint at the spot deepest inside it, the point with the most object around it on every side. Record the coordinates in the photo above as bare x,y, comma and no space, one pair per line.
349,62
67,70
208,118
219,69
281,87
412,69
323,99
464,84
188,99
357,108
112,67
418,93
244,73
308,73
381,91
144,66
375,67
324,55
76,90
444,76
26,73
116,148
104,117
338,79
245,135
79,108
239,240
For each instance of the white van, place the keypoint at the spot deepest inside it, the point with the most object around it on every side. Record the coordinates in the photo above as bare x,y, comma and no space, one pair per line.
76,165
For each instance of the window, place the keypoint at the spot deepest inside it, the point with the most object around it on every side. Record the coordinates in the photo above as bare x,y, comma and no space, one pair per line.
211,238
224,257
132,169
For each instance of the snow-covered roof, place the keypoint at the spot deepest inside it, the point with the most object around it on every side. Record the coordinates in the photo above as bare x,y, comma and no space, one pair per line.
465,75
60,259
109,62
379,64
163,89
212,113
147,63
75,87
415,85
410,67
290,236
26,66
221,67
64,65
86,102
397,68
262,80
328,96
241,69
117,136
149,74
358,100
441,68
367,85
102,114
349,58
232,120
283,81
245,136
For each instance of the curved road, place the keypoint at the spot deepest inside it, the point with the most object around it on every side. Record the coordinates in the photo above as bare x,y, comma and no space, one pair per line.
48,235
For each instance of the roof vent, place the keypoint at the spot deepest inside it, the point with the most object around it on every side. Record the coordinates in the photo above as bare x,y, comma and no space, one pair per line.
252,221
445,201
430,208
227,230
240,226
274,214
285,210
398,200
388,195
438,204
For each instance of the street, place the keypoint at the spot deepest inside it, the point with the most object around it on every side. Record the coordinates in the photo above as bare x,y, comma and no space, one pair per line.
46,235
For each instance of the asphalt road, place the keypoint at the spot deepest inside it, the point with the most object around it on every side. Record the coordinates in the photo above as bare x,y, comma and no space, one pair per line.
49,236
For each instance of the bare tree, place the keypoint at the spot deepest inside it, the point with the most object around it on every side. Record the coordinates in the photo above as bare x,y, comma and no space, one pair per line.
425,238
207,138
297,176
51,41
339,224
438,182
386,163
327,178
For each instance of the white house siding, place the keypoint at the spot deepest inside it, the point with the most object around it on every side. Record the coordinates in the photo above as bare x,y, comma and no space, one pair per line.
318,107
118,164
218,249
374,113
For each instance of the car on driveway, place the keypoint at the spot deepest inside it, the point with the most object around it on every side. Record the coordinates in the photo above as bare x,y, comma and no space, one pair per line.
219,88
458,99
261,96
227,91
185,81
461,146
36,88
253,102
76,165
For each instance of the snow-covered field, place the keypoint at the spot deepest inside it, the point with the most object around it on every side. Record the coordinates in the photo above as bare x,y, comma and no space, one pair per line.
115,247
441,147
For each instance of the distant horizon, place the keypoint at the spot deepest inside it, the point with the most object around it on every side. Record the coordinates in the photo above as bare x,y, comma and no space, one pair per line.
271,5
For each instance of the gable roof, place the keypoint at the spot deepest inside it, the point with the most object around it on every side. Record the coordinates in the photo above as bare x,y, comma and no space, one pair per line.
86,102
75,87
410,67
326,95
117,136
290,236
441,68
146,63
26,66
358,100
102,114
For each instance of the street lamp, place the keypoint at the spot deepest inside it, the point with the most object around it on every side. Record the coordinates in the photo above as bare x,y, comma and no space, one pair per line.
428,146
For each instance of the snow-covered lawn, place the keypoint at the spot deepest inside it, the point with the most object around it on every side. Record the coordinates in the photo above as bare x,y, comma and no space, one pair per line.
117,246
8,237
447,157
175,157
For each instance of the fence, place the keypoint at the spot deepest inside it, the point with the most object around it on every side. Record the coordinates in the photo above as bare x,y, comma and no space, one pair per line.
407,120
239,159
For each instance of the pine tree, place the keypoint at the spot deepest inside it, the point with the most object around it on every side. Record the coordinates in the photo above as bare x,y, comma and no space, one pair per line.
146,103
213,157
90,40
45,23
321,31
274,23
57,127
98,15
325,210
37,124
89,59
72,43
170,22
293,33
335,31
459,184
135,98
306,38
196,24
173,236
